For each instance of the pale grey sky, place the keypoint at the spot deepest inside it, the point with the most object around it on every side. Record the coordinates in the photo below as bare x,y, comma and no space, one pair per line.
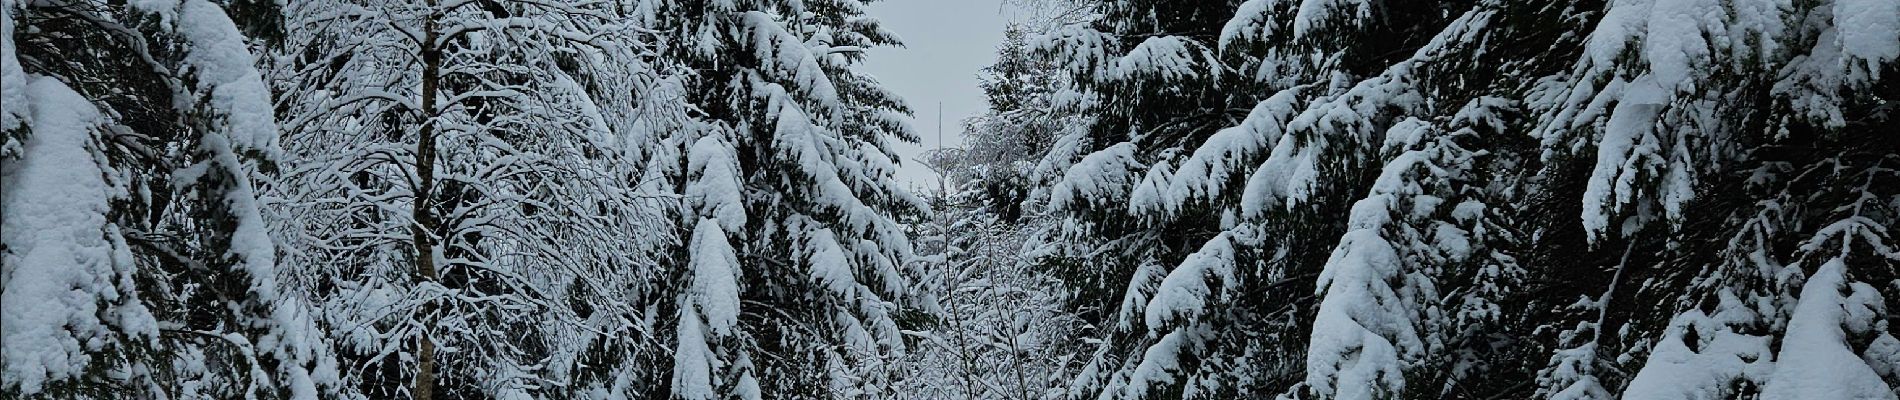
947,42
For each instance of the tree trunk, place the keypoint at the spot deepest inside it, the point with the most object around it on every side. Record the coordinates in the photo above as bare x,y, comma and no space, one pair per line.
424,216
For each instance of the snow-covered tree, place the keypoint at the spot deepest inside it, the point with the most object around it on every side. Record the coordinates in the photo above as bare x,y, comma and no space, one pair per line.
70,295
1311,199
1727,135
139,260
1141,86
1531,186
1221,320
797,271
465,200
1002,145
1002,328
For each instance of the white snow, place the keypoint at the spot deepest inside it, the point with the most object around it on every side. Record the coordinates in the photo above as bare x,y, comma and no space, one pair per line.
1071,142
1161,59
1079,50
1316,15
1883,355
222,62
827,261
1363,328
1628,153
1647,106
1814,362
1230,153
1148,199
1572,373
1252,22
1869,32
1335,122
1673,42
787,58
1102,177
1159,363
715,190
1708,370
1671,36
1135,297
64,257
1405,134
1185,291
715,276
13,100
165,9
693,362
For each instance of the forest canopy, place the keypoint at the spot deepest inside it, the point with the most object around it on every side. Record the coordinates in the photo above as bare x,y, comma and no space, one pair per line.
700,199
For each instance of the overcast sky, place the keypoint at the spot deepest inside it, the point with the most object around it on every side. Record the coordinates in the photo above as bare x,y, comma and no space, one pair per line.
947,41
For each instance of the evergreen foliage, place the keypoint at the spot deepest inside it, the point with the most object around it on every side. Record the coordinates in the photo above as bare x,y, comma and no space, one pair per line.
1167,199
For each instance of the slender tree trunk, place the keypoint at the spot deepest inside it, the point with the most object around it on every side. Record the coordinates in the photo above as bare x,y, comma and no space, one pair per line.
970,370
990,254
424,193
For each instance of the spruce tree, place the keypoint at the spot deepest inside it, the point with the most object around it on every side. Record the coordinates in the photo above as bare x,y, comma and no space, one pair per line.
143,131
787,160
1471,249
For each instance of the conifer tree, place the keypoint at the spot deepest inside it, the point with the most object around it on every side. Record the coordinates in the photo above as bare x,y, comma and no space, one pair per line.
789,195
142,132
1479,247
